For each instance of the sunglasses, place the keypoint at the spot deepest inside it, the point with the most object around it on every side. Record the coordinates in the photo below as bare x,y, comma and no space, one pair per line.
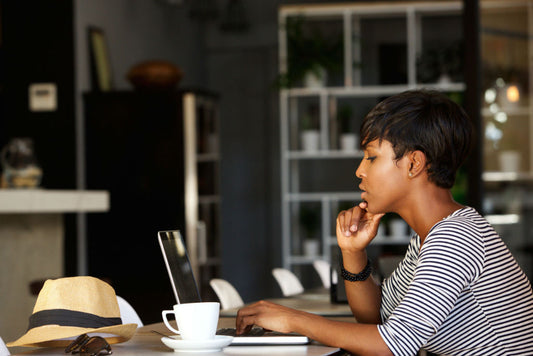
89,346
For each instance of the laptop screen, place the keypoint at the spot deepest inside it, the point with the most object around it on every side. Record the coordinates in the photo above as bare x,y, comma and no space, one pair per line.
178,267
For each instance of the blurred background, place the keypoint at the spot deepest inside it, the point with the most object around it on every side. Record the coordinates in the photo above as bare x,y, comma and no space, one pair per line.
101,91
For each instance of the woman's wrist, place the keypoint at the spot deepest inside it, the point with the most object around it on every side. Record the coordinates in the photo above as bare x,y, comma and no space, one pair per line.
354,262
357,277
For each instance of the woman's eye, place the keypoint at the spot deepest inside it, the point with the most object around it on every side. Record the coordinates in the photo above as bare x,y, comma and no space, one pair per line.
371,158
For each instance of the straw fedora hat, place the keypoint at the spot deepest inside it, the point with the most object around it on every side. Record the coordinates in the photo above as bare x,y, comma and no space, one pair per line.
68,307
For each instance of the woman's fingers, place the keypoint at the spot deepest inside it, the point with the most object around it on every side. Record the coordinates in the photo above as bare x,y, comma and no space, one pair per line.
265,314
348,220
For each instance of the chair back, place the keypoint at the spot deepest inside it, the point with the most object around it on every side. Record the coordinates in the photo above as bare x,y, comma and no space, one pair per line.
127,313
3,348
288,282
228,296
323,269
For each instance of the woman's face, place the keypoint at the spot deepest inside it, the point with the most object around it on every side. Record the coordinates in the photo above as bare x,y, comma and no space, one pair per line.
382,177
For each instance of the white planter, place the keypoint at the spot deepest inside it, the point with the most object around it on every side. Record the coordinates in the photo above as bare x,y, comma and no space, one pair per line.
310,140
349,142
312,80
398,229
311,247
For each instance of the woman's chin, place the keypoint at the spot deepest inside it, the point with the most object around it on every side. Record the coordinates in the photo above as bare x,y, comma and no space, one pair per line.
375,209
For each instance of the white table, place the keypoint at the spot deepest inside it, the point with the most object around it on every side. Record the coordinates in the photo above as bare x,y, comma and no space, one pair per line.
312,302
147,343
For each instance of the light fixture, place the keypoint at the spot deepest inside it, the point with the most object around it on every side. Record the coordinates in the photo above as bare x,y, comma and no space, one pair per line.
513,93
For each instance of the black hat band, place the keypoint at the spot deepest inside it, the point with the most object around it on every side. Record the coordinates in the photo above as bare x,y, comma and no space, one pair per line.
65,317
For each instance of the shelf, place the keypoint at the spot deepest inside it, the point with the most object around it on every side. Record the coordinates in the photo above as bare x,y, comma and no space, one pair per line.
507,176
503,219
509,110
207,157
302,259
370,90
326,10
324,154
324,196
209,199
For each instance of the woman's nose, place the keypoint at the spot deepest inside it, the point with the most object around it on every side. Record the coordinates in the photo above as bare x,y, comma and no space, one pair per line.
359,171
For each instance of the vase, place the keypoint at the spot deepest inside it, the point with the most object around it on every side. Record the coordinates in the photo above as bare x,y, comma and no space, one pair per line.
310,140
312,79
311,247
398,229
20,168
349,142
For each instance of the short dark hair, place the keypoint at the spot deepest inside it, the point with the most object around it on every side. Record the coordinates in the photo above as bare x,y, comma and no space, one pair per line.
427,121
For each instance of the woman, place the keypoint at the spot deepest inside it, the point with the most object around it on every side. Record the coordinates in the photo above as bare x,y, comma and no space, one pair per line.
458,291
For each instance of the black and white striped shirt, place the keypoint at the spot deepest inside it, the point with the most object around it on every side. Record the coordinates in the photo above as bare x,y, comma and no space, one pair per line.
462,293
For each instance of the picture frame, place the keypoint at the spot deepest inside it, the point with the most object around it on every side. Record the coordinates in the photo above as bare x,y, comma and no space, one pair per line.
100,63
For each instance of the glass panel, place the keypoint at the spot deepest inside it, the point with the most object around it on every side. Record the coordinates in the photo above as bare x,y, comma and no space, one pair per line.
304,113
306,228
440,57
384,50
315,47
507,119
331,175
505,79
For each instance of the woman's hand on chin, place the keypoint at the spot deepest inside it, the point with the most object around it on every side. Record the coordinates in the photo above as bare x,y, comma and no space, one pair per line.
356,227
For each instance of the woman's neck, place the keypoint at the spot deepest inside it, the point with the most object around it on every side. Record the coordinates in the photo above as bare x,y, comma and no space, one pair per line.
430,207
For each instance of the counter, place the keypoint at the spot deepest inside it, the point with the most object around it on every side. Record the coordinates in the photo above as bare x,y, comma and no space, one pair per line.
31,245
31,201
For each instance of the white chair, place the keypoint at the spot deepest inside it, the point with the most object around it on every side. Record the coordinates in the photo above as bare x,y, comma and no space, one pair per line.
228,296
288,282
127,313
323,269
3,348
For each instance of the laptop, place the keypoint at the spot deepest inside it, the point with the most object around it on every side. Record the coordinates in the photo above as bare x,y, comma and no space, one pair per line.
185,290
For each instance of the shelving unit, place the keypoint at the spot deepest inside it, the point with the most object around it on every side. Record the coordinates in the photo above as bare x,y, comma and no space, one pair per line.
324,179
203,227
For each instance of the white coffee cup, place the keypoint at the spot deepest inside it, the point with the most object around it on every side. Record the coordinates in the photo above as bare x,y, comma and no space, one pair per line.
196,321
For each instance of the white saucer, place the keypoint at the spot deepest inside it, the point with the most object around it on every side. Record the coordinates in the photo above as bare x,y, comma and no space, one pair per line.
212,345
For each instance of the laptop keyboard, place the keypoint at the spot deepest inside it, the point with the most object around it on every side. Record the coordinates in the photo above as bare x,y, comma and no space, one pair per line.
233,332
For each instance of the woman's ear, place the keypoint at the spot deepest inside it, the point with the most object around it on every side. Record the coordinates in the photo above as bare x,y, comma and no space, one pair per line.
417,163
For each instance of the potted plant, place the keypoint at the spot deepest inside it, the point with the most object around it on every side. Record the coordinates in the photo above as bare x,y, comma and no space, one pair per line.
310,223
348,137
309,129
311,56
441,64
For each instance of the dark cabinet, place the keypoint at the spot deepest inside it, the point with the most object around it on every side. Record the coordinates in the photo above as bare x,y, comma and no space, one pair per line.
151,152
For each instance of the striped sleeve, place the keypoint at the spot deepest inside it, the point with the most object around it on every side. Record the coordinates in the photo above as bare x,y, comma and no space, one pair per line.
450,259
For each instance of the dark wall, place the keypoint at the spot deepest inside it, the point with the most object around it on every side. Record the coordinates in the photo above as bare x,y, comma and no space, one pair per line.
37,47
